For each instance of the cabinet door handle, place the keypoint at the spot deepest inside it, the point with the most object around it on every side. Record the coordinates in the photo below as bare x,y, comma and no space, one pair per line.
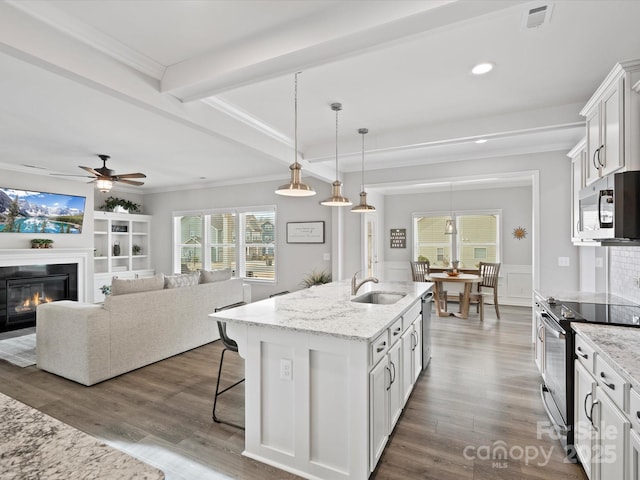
393,379
610,385
638,415
585,407
599,162
590,416
415,337
388,370
540,328
593,158
381,347
397,331
581,354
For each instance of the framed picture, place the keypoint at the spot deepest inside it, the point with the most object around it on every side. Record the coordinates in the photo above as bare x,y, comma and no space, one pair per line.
305,232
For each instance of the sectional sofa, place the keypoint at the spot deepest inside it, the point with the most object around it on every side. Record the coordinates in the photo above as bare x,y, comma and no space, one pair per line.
142,322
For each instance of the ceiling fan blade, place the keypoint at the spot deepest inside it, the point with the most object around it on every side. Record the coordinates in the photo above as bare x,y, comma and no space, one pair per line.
70,175
90,170
129,182
131,175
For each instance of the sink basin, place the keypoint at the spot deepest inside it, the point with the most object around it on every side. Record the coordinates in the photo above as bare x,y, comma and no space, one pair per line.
379,298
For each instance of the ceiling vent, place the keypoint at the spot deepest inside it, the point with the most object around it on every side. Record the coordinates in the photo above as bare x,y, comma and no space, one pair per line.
536,16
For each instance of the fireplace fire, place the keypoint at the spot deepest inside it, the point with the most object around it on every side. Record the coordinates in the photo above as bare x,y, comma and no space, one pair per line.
22,289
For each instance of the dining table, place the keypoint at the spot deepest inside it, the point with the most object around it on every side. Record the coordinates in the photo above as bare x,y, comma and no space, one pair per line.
468,279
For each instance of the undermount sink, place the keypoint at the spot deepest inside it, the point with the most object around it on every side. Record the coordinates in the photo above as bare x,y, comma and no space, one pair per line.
379,298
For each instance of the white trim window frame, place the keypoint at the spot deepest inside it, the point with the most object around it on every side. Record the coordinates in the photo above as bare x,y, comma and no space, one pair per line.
241,244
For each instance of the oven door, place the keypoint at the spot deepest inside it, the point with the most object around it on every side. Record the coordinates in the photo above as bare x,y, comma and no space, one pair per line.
554,390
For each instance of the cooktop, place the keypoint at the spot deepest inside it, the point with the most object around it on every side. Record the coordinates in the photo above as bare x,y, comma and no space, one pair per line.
627,315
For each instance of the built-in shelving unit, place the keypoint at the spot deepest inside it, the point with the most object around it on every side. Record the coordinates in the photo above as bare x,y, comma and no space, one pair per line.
132,257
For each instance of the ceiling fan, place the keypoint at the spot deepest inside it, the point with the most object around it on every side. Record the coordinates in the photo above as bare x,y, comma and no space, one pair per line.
104,177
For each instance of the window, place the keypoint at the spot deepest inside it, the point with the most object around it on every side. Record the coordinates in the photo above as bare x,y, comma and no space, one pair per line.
477,239
240,239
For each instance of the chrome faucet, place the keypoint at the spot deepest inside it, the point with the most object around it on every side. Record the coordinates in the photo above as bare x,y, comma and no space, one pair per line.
355,287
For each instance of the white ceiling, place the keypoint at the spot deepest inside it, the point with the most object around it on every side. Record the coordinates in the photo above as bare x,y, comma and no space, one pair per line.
202,91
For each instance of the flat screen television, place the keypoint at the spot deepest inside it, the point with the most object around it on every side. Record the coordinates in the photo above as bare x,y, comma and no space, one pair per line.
26,211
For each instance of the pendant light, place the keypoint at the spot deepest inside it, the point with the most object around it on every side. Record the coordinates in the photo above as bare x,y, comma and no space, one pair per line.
336,199
363,207
450,225
295,188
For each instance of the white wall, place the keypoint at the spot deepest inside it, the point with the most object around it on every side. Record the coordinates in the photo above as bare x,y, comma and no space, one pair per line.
293,261
624,272
554,209
43,183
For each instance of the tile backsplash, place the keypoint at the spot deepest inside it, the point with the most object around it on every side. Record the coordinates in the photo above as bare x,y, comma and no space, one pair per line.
624,272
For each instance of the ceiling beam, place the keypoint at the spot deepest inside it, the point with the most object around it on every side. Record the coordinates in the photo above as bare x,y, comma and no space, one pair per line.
347,30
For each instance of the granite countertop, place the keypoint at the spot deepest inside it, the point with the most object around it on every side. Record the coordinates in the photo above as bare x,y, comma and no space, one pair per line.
328,310
620,346
584,297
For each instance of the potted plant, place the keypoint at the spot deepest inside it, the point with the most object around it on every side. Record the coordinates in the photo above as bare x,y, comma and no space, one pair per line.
316,278
41,243
111,204
136,249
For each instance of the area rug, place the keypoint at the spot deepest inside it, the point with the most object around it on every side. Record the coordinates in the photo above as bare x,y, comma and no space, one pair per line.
20,351
34,445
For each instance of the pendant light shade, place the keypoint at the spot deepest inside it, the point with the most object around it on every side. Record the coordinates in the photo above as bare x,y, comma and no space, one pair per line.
336,199
363,207
295,188
450,225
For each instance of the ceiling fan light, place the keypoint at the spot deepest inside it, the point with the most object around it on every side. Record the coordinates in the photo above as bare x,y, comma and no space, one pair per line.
295,188
104,185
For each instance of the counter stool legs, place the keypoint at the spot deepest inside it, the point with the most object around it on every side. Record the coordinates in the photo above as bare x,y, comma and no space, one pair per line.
220,392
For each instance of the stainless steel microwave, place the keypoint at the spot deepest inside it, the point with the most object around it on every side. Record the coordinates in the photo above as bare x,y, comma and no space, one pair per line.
610,208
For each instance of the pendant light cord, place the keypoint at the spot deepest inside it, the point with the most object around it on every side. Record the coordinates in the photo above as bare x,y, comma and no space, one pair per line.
363,161
295,117
337,110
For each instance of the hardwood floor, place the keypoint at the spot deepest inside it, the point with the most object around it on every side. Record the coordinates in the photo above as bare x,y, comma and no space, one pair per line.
479,393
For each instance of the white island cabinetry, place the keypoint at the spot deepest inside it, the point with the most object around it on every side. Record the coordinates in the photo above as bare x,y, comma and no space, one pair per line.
329,411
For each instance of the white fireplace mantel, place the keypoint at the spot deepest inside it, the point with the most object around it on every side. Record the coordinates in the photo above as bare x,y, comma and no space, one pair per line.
47,256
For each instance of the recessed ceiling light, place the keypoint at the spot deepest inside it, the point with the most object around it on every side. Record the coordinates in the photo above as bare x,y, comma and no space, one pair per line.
481,140
482,68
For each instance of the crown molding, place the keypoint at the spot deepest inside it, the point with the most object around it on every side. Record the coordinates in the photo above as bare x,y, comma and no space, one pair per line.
54,17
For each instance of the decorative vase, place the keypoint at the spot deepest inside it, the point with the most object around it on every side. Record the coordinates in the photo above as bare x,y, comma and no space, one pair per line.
116,249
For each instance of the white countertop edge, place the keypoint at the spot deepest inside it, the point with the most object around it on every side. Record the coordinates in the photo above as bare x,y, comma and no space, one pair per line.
327,310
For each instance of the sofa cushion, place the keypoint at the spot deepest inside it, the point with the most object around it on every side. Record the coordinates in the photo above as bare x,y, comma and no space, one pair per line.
182,280
120,286
209,276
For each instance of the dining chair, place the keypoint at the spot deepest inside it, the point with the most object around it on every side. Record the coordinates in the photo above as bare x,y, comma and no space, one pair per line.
229,344
489,279
420,271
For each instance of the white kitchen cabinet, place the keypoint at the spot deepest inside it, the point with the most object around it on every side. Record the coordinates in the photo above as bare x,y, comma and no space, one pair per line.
584,433
417,351
578,155
538,345
634,455
603,407
379,379
131,258
610,455
613,124
396,397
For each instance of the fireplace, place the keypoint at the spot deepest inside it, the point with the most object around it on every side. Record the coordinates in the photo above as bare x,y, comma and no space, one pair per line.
23,288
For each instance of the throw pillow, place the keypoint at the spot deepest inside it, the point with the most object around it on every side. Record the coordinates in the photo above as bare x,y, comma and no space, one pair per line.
182,280
209,276
120,286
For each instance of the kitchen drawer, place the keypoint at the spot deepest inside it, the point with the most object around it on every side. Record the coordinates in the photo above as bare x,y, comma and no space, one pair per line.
410,315
379,347
585,354
634,408
395,331
612,383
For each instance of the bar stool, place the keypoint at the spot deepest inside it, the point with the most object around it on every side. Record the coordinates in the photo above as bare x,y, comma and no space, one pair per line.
229,344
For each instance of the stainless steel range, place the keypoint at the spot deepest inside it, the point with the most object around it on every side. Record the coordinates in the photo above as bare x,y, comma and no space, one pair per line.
554,318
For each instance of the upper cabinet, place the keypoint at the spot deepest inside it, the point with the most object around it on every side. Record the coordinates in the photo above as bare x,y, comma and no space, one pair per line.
578,155
613,124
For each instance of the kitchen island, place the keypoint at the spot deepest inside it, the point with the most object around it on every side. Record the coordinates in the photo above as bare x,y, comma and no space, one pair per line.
327,377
